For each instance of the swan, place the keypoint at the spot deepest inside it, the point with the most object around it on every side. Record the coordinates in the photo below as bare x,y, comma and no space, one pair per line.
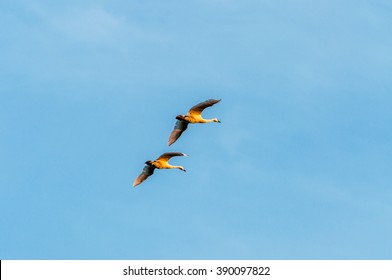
162,162
193,116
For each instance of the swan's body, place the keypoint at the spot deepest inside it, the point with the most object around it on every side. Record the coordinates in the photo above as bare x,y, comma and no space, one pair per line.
193,116
162,162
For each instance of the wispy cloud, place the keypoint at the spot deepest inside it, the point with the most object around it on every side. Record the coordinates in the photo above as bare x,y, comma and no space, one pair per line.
91,24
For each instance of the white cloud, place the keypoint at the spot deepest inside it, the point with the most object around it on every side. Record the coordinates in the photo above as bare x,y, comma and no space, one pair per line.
92,24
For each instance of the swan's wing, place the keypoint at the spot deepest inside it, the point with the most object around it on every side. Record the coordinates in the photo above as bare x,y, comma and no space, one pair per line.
167,156
197,109
148,170
179,128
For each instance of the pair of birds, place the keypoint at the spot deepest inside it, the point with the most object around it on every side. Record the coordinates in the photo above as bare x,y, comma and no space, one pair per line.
162,162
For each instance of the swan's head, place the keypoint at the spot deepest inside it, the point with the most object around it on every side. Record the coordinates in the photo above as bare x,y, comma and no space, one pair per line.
182,168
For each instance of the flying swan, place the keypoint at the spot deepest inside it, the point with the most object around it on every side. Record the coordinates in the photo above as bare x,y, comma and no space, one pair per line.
193,116
162,162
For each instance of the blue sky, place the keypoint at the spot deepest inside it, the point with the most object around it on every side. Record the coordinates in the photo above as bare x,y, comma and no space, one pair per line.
299,168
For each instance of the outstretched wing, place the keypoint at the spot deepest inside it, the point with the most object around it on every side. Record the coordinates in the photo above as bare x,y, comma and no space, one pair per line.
179,128
148,170
167,156
197,109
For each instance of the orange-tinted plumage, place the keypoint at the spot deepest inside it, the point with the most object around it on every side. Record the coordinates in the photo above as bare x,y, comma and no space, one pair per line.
162,162
193,116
